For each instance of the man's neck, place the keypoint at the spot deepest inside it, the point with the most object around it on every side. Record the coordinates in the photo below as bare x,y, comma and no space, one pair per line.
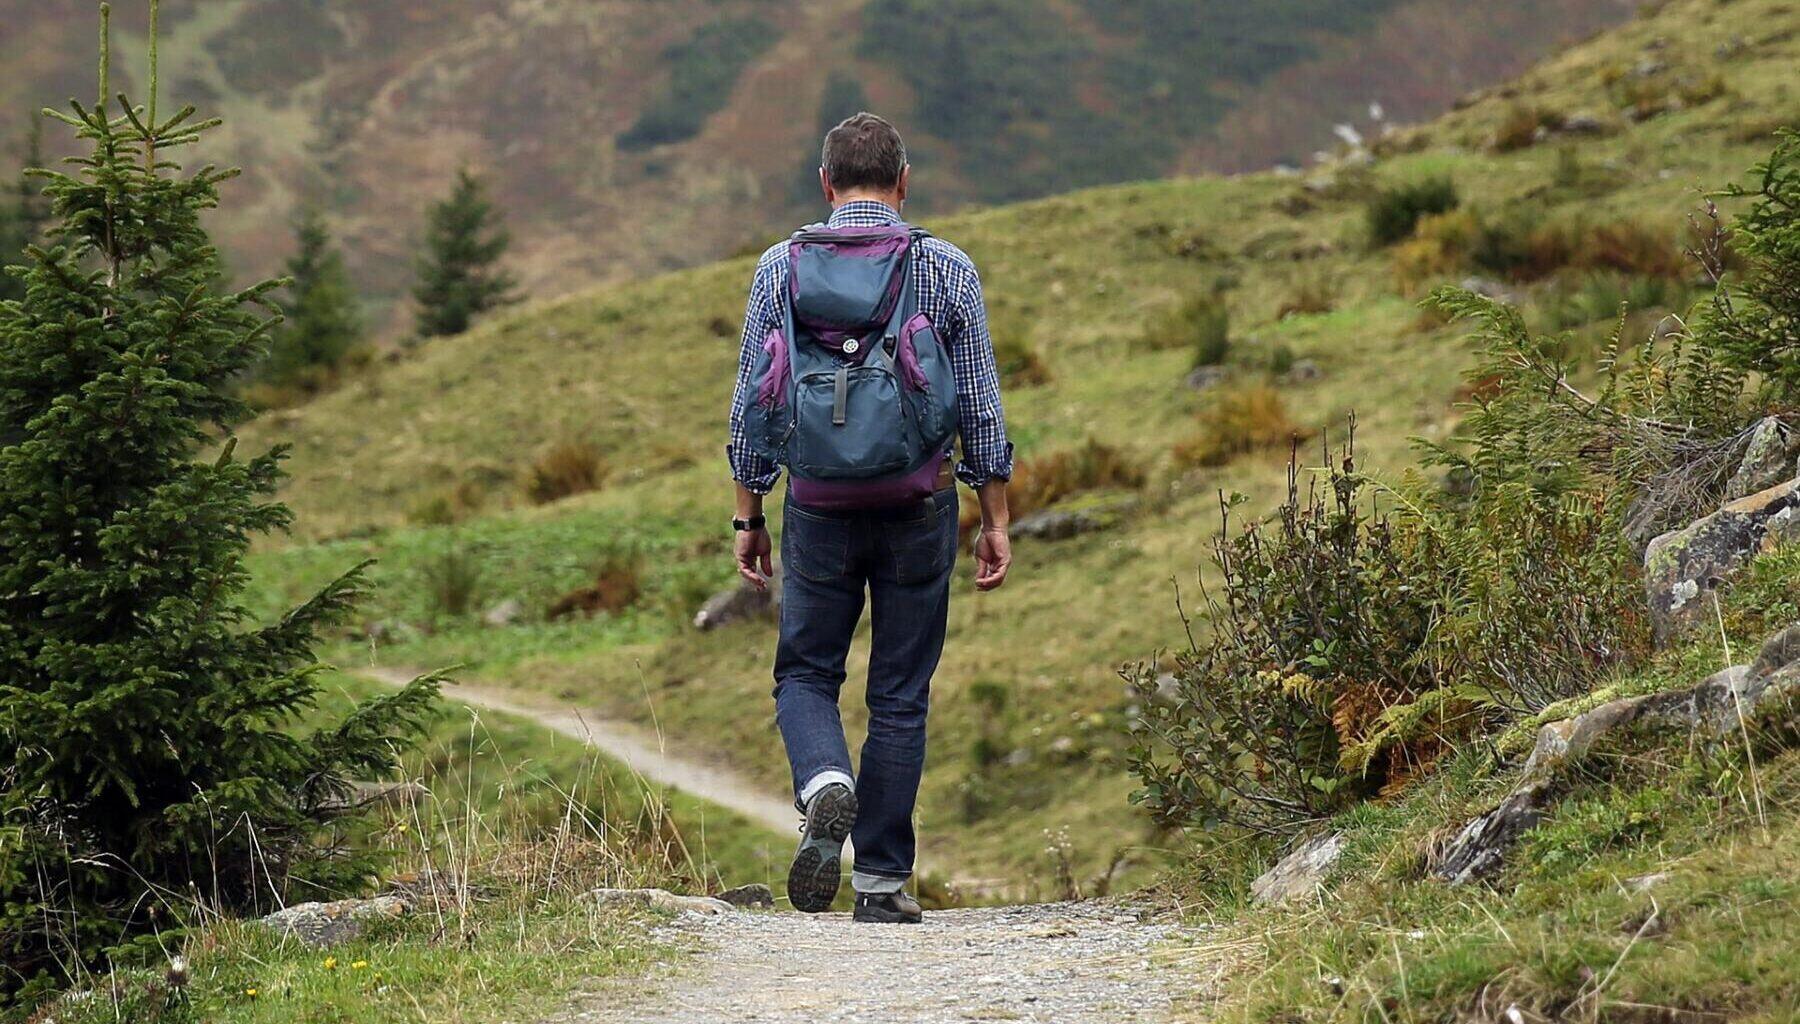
887,199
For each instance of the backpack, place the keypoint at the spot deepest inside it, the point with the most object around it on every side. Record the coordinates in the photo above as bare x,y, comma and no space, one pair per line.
854,392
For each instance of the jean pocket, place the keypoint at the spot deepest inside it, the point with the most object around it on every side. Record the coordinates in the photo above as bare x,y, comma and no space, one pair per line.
924,546
817,547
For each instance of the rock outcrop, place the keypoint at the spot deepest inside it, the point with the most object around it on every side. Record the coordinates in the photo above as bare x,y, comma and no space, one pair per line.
659,899
1302,872
1769,457
741,603
1715,708
1057,525
319,925
1682,566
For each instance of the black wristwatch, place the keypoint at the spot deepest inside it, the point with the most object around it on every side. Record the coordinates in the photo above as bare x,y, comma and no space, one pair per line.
752,523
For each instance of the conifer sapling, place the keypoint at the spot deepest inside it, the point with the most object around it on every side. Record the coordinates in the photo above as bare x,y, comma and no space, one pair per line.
149,728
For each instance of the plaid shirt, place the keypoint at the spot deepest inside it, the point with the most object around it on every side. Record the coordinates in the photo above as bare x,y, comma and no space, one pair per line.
949,292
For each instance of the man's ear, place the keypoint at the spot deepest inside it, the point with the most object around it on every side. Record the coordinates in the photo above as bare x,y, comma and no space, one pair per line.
825,183
905,180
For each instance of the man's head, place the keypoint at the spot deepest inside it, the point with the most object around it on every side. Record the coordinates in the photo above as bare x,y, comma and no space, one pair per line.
864,158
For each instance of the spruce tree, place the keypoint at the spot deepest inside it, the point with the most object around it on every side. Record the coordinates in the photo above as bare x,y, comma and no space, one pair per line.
459,273
23,215
322,325
152,753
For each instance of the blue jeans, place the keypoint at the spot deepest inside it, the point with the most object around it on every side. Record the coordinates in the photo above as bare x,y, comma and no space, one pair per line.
903,558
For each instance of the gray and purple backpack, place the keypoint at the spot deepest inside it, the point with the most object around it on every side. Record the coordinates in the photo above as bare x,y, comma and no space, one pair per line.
854,393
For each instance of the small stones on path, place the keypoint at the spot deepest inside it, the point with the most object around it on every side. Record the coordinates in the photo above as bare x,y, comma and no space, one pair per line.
1071,963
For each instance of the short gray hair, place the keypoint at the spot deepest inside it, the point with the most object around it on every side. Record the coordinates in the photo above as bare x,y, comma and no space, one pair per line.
863,151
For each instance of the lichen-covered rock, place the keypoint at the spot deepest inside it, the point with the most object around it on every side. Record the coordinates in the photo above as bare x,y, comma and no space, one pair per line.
659,899
1704,714
319,925
1706,709
1681,566
1778,652
1768,459
1302,872
741,603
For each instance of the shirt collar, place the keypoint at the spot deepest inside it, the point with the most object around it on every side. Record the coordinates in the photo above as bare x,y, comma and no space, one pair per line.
863,213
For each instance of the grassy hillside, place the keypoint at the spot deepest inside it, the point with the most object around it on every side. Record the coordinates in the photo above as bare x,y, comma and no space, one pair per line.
1573,184
616,131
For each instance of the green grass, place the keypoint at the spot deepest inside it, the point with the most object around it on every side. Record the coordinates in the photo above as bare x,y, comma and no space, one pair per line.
643,371
518,953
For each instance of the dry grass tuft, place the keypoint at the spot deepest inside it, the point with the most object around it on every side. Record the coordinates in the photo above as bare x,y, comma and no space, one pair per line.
1239,421
566,468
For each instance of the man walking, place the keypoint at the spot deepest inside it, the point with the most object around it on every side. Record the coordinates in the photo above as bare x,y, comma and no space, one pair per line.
865,351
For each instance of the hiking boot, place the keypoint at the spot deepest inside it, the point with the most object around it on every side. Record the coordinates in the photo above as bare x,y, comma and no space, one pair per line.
813,879
887,908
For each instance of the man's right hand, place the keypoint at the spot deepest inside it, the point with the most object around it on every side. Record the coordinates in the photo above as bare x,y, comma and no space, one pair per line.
754,552
993,556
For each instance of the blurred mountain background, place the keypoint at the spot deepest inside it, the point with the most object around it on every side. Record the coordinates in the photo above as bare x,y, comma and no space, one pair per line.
628,136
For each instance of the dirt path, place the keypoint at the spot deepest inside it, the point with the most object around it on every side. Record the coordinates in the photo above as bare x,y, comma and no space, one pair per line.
636,747
1071,963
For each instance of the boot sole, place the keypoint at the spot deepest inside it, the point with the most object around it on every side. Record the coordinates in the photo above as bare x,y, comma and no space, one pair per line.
862,916
813,880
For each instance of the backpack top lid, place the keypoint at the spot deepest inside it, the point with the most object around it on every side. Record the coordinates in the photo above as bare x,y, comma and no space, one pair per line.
844,283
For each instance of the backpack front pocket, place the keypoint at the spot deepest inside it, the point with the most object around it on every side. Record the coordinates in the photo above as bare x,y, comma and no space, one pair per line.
848,424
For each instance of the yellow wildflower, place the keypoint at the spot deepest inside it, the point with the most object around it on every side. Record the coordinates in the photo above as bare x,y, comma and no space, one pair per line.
359,965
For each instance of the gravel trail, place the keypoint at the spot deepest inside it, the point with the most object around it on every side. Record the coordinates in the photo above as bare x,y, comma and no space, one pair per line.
1069,963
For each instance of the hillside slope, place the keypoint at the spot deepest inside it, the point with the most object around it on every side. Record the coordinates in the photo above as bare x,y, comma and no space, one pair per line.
420,463
616,132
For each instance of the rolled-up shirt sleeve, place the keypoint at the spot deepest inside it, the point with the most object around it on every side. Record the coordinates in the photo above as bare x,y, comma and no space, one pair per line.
748,468
986,452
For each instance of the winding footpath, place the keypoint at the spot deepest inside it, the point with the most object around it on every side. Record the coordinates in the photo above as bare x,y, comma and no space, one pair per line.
637,748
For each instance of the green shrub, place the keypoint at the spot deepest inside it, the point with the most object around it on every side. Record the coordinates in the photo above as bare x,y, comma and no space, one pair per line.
1281,359
1200,322
1756,325
1348,651
1596,297
453,581
1393,212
